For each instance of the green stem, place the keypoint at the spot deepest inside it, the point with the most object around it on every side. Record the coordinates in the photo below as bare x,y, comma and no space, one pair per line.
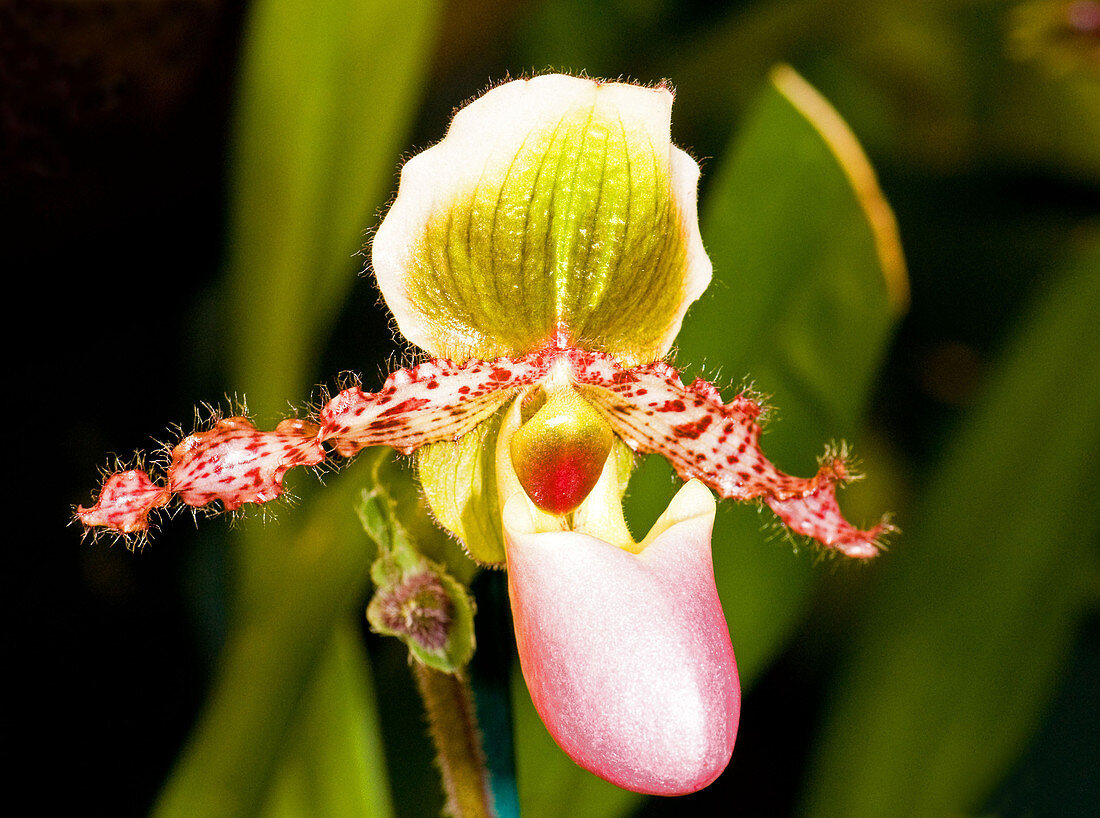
452,718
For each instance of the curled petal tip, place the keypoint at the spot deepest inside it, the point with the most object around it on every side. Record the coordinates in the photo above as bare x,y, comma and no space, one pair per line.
628,656
124,503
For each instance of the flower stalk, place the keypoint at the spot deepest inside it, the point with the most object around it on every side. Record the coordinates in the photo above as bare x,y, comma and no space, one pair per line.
452,719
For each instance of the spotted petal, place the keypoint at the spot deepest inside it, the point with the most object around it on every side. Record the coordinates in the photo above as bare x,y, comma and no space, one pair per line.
651,409
647,406
234,463
124,503
436,400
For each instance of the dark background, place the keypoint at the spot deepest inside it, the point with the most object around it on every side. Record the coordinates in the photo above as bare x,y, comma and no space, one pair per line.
115,121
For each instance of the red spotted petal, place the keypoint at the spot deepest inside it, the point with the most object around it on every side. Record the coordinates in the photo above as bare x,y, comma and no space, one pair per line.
237,464
818,515
718,443
647,406
437,400
124,503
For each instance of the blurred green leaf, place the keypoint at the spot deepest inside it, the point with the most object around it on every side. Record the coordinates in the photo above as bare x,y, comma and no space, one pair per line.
799,236
327,92
337,769
942,85
965,636
312,578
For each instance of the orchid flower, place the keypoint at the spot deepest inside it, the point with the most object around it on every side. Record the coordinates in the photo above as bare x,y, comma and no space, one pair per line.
544,255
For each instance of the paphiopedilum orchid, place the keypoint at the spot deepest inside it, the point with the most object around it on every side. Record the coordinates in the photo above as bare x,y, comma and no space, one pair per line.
544,255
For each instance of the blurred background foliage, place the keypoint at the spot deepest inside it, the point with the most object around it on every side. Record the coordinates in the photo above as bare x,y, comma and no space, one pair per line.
186,184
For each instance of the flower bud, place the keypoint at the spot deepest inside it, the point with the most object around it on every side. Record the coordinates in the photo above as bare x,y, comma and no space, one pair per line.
417,609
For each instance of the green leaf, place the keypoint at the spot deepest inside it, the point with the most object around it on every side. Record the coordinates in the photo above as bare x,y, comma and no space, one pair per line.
809,283
965,636
996,86
801,241
327,94
313,577
337,766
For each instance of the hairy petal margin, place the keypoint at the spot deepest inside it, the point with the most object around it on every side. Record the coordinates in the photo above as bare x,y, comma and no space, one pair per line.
647,406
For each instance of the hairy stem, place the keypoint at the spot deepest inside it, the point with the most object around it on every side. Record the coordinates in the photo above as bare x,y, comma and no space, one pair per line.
449,704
